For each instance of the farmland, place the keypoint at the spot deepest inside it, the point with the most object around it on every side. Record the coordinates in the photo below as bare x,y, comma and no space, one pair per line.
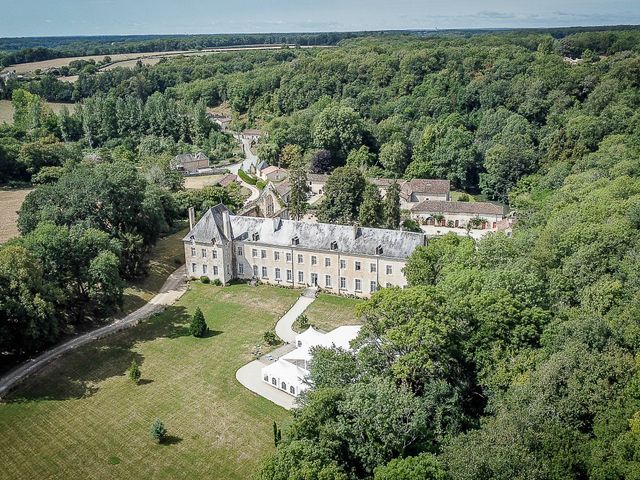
10,201
6,109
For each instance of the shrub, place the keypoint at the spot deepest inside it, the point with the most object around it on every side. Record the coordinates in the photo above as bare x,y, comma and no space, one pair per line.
134,371
247,178
158,431
261,184
302,322
205,279
198,326
270,337
410,225
464,197
217,282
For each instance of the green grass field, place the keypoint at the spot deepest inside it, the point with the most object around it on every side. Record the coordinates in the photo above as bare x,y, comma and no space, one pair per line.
82,417
331,311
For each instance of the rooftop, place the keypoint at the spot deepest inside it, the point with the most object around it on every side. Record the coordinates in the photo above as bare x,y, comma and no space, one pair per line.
477,208
314,236
426,186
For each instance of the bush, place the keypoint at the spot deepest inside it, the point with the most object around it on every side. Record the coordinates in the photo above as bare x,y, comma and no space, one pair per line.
134,371
205,279
217,282
410,225
158,431
198,326
302,322
261,184
270,337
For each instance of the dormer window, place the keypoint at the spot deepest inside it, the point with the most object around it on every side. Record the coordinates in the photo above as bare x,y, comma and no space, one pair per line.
379,250
334,245
255,236
193,240
295,240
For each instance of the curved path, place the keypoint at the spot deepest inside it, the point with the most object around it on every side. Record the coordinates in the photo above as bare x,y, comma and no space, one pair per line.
250,376
171,291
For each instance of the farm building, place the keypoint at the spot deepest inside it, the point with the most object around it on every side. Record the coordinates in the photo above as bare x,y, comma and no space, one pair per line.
458,214
190,163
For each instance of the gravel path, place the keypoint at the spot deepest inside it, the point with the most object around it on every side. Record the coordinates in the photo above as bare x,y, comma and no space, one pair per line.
171,291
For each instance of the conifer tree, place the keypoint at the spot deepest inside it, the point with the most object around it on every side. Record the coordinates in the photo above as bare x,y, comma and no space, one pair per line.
392,207
371,209
198,326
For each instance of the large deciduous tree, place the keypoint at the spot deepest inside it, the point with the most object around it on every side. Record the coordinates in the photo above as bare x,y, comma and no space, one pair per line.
342,196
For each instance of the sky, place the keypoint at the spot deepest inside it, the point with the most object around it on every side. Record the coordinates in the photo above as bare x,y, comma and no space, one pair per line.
100,17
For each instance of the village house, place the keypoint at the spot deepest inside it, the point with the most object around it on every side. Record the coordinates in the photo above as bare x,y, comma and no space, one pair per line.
190,163
317,182
251,134
482,215
272,173
289,372
271,203
342,259
227,180
221,120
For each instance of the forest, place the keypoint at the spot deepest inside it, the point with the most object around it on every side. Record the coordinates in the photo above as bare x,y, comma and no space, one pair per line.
514,357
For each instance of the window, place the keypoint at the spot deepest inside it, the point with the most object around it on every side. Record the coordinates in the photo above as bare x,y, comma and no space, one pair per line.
358,266
276,256
292,390
277,274
214,253
300,259
379,249
254,252
204,269
388,285
299,343
288,257
295,241
314,260
193,251
204,253
215,270
327,281
289,276
240,268
373,286
284,386
266,378
373,267
327,261
264,272
389,269
343,264
255,270
343,283
358,285
314,279
300,277
255,236
240,251
334,245
274,381
263,254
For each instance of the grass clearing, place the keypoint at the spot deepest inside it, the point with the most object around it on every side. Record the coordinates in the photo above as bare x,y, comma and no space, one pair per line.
330,311
82,417
166,255
10,202
199,182
6,109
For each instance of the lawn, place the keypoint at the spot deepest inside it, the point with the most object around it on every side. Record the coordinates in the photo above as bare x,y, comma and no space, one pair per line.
83,418
166,255
330,311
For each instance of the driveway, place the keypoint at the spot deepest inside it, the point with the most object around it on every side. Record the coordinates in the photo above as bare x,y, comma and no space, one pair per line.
173,288
284,327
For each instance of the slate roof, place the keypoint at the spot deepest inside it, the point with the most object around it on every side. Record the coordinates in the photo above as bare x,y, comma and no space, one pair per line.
227,180
426,186
475,208
314,236
317,177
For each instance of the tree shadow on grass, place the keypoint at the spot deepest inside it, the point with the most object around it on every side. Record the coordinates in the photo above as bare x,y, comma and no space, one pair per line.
144,381
78,373
212,333
171,440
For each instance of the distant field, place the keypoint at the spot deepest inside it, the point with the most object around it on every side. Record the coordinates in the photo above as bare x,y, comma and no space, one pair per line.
196,183
10,201
6,109
129,60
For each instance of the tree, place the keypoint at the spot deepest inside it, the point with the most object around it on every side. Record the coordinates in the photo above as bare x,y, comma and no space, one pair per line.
422,467
361,158
391,208
343,194
158,431
289,155
371,209
277,435
338,129
394,157
134,371
321,161
298,184
198,326
270,337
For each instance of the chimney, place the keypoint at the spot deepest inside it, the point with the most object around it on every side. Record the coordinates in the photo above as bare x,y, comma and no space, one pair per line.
226,224
356,231
276,223
192,217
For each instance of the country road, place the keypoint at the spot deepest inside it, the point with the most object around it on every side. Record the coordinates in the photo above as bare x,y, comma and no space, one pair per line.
170,292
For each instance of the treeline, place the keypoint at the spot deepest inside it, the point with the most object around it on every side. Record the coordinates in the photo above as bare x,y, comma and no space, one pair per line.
48,48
